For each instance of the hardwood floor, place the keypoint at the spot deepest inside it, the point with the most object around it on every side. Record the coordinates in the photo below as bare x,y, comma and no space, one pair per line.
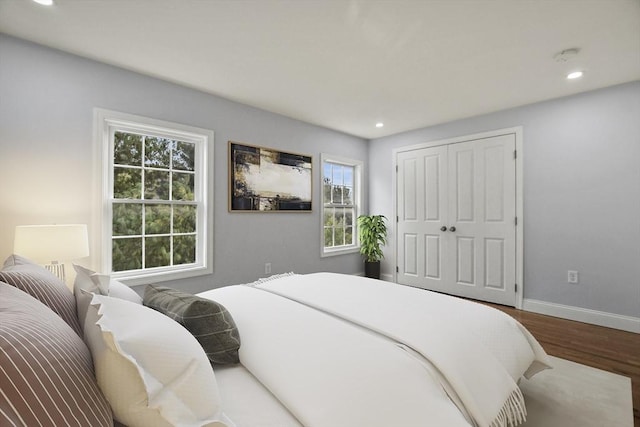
603,348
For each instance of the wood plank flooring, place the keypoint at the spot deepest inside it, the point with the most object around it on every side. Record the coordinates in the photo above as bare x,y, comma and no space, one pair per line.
603,348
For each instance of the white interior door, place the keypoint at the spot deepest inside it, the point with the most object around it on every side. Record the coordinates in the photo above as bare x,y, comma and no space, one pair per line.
456,219
422,213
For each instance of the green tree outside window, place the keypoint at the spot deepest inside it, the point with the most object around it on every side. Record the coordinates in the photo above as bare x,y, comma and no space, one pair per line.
154,212
339,208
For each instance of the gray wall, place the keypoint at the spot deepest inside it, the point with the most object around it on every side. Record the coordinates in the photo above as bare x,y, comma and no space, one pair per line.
581,194
46,153
581,173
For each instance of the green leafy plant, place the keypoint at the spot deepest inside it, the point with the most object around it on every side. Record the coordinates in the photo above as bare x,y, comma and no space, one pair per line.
373,235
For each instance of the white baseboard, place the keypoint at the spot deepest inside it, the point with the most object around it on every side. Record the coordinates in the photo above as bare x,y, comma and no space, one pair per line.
386,277
594,317
383,276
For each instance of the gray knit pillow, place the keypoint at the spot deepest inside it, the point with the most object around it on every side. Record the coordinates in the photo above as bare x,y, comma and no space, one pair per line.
208,321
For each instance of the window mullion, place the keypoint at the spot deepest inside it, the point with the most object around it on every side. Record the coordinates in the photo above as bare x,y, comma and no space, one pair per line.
170,203
143,240
172,234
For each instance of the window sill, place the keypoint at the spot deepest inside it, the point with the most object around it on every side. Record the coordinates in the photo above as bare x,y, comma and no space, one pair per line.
339,251
144,278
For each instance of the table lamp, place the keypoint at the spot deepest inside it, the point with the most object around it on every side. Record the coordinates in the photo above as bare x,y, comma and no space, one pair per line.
52,245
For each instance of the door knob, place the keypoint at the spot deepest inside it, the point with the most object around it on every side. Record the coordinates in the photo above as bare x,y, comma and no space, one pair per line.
452,229
443,228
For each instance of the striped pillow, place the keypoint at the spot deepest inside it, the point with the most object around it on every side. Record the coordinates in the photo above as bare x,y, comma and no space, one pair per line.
45,287
207,320
46,371
16,259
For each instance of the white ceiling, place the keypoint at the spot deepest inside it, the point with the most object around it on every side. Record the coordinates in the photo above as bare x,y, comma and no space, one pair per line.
347,64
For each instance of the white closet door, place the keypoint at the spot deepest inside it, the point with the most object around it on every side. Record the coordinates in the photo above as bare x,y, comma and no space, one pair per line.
482,211
422,212
456,219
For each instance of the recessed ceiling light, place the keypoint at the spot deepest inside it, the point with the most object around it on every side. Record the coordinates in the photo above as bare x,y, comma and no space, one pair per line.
574,75
44,2
379,124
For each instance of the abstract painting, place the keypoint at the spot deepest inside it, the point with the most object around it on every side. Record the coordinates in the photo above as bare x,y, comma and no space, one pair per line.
267,180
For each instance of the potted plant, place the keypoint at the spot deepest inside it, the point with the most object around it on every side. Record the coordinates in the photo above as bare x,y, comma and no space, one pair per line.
373,235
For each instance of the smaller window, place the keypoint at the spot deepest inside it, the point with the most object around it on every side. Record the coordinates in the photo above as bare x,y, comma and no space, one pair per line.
341,189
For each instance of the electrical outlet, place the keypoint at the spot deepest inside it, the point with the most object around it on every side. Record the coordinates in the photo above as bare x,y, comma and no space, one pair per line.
572,276
267,268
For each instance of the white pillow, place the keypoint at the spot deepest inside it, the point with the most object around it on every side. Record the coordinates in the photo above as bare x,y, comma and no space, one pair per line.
89,282
152,371
104,285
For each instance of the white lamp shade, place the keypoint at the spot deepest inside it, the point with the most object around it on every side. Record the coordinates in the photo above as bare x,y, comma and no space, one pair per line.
47,243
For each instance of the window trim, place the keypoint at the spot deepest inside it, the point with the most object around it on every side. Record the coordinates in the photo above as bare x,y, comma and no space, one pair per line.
358,189
104,122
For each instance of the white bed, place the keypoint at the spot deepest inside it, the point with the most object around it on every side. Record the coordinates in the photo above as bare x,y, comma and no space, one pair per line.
247,402
335,350
316,350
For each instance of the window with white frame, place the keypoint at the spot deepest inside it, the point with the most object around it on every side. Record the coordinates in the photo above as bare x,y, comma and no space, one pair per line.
155,192
341,182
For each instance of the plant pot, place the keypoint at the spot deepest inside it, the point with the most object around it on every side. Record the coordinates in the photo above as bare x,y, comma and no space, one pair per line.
372,269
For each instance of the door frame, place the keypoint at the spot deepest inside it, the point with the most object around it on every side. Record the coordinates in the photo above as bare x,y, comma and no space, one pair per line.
518,133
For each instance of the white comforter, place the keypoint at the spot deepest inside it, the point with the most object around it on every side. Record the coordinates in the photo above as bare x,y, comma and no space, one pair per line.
329,372
481,352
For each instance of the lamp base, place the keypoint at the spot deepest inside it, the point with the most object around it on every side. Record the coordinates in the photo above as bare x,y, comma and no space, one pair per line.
57,269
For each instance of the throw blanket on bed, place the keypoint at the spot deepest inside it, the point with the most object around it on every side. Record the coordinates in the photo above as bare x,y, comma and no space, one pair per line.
329,372
480,351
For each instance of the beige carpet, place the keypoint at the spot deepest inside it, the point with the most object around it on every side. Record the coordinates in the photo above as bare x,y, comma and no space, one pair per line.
574,395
